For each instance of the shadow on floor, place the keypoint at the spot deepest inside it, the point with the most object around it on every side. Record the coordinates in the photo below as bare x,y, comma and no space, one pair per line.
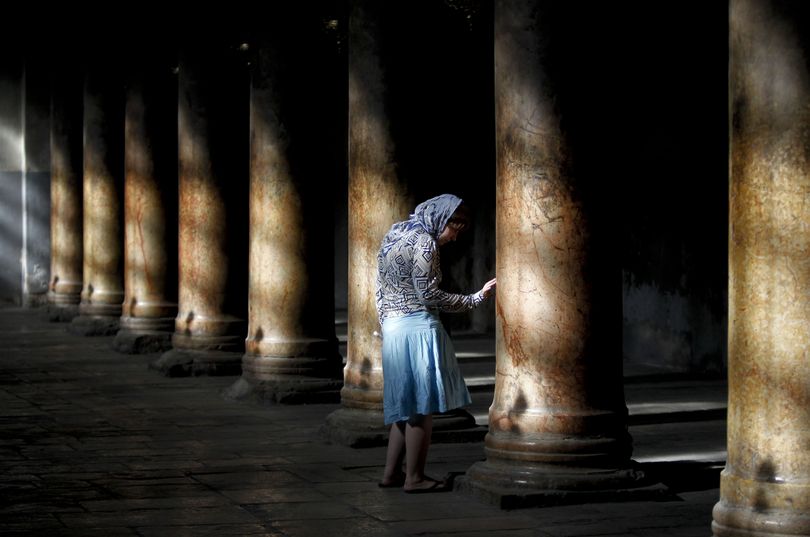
684,476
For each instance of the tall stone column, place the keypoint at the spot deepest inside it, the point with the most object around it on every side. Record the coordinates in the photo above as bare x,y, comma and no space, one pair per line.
377,199
291,353
65,286
103,291
765,487
213,135
558,421
150,206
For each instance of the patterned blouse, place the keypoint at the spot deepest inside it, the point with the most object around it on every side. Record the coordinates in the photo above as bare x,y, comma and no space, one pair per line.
408,277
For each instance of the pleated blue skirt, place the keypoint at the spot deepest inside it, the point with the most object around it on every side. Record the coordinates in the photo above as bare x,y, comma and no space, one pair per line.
420,371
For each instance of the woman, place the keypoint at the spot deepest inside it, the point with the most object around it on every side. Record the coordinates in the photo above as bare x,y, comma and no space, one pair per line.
420,372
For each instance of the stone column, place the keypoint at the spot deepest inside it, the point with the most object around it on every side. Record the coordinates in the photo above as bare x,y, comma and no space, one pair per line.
213,135
103,291
558,421
150,211
296,112
765,487
377,199
66,194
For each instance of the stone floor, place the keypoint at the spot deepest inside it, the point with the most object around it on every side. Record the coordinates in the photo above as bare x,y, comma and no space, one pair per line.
94,443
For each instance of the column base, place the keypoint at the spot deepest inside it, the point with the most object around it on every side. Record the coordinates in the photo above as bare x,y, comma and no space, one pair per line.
131,342
361,428
289,390
354,427
58,313
185,363
520,485
144,335
289,380
758,520
94,325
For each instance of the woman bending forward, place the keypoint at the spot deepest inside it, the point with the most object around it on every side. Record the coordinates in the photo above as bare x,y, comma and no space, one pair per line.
420,372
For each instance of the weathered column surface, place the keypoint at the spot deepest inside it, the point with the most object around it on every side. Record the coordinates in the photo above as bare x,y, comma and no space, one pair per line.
765,487
558,421
66,195
103,291
291,353
150,208
213,138
378,197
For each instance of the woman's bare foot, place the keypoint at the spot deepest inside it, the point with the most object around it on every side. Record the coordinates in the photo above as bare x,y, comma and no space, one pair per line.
427,483
395,480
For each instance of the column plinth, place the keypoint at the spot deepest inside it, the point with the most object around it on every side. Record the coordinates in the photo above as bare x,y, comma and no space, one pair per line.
765,486
147,334
291,373
204,347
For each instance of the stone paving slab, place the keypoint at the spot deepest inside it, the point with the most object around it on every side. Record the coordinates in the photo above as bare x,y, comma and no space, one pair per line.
354,527
236,530
94,443
456,525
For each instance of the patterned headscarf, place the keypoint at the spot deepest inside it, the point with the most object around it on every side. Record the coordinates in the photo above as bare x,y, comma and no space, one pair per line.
431,215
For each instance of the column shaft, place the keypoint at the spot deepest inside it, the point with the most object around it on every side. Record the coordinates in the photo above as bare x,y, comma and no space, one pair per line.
765,487
377,199
380,117
291,353
66,195
558,421
213,176
150,212
103,291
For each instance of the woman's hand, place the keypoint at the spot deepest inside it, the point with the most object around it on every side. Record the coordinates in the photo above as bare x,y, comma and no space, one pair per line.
489,288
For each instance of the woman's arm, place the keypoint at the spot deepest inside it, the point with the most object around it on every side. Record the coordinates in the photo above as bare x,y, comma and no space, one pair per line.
426,275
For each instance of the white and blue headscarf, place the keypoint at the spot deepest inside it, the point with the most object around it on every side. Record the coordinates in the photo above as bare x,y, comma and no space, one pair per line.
431,215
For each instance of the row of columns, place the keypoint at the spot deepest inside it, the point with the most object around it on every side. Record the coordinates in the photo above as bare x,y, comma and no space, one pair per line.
558,422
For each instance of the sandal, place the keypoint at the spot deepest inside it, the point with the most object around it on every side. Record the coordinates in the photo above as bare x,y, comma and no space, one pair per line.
437,486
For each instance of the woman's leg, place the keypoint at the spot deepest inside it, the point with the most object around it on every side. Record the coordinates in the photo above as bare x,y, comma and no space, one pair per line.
395,454
417,443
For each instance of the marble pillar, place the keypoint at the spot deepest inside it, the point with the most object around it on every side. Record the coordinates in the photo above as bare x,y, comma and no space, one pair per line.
558,421
150,207
291,351
378,197
213,135
103,291
65,285
765,487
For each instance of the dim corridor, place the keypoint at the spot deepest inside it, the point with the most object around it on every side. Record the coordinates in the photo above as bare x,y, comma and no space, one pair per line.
95,443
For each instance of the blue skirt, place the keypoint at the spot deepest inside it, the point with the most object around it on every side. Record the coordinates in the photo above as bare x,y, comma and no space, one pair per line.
420,371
